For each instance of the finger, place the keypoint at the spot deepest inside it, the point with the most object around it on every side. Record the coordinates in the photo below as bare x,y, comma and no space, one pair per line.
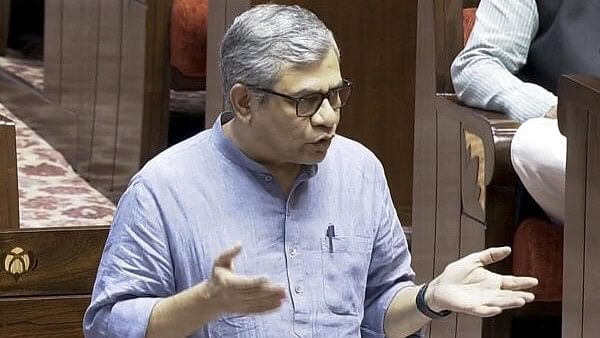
264,295
260,302
225,258
267,304
489,256
484,311
509,299
518,283
265,288
260,293
246,284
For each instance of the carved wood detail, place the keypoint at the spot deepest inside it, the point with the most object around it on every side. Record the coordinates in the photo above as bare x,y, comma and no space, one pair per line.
473,175
17,262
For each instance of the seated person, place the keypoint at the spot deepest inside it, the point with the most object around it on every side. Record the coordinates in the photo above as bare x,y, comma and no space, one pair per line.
324,254
511,63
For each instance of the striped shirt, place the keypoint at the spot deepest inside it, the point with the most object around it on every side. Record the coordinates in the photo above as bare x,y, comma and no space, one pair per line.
484,72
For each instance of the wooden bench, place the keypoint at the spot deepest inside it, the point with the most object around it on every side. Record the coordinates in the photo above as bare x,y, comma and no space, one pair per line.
46,277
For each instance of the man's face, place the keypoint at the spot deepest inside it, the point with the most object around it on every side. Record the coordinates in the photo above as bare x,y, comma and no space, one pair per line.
287,138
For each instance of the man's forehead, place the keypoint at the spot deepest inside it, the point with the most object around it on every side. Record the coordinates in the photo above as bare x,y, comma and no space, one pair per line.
320,76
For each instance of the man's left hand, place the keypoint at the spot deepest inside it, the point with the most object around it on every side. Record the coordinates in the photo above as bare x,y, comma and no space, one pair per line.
466,286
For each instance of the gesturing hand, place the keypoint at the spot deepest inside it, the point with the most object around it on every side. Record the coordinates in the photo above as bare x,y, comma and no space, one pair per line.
239,294
466,286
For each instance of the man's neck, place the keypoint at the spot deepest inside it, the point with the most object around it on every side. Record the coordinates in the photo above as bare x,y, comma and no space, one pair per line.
284,173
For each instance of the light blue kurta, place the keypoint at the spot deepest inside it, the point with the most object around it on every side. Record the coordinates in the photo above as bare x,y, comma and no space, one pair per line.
199,197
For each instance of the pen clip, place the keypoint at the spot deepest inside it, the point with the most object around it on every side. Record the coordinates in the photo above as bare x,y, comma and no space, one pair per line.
330,233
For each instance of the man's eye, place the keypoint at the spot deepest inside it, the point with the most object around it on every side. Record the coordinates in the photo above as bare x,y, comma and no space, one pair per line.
312,99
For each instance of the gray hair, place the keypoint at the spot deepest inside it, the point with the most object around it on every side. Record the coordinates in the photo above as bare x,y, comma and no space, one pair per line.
268,38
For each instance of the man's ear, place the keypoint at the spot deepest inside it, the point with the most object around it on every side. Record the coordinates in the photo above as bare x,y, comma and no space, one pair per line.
240,97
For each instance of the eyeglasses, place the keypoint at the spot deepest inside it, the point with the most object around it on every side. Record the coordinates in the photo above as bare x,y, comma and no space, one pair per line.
308,105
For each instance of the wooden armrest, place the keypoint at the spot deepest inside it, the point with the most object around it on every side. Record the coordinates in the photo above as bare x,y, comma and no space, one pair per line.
486,171
9,193
496,131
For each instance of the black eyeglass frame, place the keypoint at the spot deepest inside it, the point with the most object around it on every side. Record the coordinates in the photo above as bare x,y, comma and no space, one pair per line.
297,99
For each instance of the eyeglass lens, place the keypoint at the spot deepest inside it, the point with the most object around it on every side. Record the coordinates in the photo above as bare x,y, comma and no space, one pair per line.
308,105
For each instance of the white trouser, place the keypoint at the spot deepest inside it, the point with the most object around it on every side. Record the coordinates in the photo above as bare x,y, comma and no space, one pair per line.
538,154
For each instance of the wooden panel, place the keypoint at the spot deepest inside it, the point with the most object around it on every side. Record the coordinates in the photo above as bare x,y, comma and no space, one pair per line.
71,63
59,261
220,16
9,198
52,49
120,100
59,317
425,167
591,296
142,122
579,269
102,152
448,40
447,226
131,95
4,25
86,48
156,78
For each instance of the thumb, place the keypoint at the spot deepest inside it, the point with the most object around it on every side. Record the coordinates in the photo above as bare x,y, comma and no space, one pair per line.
491,255
226,257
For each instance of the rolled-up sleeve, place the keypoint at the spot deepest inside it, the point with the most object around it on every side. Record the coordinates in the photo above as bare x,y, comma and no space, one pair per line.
389,271
483,73
135,271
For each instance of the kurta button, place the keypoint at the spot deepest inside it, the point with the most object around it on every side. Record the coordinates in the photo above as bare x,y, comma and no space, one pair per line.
268,178
298,289
293,252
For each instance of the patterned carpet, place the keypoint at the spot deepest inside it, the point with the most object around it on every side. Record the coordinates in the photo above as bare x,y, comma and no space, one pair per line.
30,71
50,192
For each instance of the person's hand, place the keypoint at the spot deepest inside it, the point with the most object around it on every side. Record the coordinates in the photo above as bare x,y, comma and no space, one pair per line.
552,112
466,286
234,293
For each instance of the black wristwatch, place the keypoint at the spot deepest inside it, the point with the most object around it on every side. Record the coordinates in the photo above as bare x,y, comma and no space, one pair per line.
425,309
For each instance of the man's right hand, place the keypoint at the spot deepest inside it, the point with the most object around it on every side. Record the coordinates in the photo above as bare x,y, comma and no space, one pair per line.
233,293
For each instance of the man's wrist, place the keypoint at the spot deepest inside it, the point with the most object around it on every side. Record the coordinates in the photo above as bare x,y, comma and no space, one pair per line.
206,294
424,299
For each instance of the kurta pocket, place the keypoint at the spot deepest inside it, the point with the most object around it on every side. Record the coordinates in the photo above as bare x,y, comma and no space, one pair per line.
345,269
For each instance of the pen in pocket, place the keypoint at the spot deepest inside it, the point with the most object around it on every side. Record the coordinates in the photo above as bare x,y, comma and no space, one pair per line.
330,233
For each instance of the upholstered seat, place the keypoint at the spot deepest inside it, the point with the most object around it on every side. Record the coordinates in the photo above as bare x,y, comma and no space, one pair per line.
188,44
538,251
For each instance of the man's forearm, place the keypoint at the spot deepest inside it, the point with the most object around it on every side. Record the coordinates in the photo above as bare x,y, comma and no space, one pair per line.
402,317
182,314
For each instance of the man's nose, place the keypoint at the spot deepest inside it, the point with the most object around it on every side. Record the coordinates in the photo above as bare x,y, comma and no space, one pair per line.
326,116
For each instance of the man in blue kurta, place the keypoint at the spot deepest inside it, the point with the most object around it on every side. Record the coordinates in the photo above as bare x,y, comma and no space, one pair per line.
323,251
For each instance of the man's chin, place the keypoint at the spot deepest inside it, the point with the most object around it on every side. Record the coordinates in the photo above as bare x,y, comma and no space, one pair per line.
315,158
